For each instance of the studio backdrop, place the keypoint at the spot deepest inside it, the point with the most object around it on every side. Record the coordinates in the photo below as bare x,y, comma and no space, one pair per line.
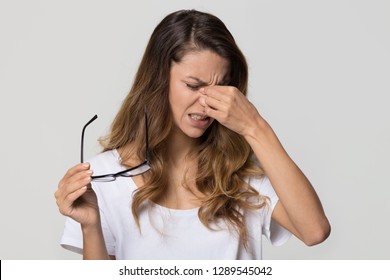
318,73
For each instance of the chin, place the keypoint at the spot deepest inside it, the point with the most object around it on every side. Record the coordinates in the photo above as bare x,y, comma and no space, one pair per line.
195,134
192,131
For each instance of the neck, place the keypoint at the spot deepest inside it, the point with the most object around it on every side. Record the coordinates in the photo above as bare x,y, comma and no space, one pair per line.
180,146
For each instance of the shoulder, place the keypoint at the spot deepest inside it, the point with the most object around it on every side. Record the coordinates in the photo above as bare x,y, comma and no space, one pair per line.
264,187
106,162
261,184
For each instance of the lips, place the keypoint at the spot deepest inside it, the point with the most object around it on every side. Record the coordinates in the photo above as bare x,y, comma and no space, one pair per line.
199,120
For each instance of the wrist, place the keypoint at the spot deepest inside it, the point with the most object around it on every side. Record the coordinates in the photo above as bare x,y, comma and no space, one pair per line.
258,130
263,139
94,228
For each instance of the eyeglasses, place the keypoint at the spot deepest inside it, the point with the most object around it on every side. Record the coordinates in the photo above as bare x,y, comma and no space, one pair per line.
131,172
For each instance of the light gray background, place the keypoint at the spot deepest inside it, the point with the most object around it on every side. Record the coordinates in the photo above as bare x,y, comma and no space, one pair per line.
319,73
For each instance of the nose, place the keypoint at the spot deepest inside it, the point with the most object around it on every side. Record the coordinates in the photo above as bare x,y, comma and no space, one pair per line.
202,100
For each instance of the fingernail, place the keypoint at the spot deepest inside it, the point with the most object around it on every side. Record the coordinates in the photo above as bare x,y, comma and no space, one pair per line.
86,164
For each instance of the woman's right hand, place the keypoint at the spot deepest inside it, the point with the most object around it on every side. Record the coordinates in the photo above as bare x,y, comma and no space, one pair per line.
75,197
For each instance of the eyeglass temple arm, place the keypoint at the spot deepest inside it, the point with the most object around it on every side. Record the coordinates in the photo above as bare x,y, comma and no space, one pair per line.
82,137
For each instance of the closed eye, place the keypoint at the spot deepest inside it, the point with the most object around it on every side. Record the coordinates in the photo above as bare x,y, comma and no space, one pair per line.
193,87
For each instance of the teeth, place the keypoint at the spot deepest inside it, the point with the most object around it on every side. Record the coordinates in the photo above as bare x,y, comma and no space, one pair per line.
197,117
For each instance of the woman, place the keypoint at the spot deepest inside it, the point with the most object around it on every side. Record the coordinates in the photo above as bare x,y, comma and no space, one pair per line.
216,178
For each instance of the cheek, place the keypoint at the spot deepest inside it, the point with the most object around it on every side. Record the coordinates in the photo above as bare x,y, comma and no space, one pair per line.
180,98
176,102
173,98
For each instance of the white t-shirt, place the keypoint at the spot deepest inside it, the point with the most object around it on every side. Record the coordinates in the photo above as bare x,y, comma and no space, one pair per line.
168,233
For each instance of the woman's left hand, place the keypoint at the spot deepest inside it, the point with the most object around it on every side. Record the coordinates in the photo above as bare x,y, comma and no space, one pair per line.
230,107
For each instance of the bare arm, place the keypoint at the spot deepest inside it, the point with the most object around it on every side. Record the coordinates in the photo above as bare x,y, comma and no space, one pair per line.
94,247
299,209
76,199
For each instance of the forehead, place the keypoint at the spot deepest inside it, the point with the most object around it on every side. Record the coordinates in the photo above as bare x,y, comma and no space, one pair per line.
204,65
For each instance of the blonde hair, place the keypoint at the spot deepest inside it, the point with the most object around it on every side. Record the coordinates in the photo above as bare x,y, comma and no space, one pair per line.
224,158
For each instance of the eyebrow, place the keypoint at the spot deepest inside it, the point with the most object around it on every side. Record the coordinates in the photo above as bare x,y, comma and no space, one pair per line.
202,83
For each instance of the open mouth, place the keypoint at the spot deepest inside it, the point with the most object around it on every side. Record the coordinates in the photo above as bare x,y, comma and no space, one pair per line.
198,117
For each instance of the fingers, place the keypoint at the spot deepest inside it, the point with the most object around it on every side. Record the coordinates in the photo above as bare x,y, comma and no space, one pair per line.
218,100
65,206
78,180
73,185
218,95
75,173
229,107
215,104
77,168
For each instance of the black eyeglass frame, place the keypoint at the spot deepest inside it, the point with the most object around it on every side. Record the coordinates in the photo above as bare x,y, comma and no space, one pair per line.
124,173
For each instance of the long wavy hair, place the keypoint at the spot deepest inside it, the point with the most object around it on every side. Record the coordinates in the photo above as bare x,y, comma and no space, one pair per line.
224,158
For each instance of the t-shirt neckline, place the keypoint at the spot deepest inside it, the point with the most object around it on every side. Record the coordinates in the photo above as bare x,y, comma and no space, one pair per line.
171,211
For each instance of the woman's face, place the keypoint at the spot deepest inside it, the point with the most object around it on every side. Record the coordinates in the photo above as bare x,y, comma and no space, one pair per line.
196,70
